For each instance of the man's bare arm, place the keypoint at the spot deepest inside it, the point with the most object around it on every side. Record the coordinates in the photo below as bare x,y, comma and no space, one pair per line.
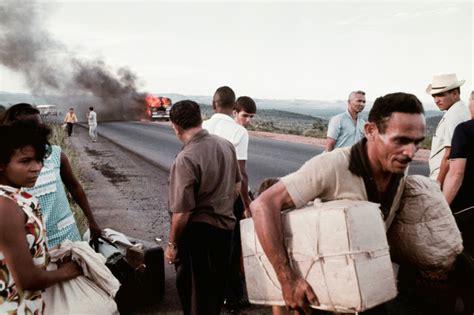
330,144
444,168
454,179
244,189
266,213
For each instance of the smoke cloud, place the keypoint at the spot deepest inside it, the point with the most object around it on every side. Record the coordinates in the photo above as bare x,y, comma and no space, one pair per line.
48,67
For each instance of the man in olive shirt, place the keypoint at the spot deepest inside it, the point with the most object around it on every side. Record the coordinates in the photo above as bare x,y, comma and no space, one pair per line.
204,183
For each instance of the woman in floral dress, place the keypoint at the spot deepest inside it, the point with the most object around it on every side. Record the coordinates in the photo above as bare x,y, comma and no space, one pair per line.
23,250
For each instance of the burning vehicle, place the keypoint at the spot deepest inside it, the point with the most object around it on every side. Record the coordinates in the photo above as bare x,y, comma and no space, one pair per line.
158,107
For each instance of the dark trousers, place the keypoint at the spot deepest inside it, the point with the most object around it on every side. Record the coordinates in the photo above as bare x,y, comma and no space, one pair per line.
235,284
69,129
201,275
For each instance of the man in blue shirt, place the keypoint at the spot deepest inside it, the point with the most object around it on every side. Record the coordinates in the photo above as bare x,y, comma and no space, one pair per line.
347,128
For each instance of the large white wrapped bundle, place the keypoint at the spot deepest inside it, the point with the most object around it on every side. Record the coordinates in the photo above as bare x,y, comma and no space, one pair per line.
424,232
339,247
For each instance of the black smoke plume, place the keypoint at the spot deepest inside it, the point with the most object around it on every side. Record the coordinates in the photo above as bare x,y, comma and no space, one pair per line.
48,67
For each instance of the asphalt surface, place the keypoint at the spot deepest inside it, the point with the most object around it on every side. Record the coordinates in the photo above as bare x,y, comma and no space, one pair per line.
157,143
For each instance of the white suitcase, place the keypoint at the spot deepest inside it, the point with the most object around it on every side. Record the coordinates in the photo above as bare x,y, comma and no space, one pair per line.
339,247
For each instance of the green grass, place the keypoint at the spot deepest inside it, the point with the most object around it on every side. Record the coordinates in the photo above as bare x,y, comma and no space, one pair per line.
59,137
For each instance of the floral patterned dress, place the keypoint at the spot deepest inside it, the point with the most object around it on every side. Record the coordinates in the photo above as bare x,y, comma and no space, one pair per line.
13,300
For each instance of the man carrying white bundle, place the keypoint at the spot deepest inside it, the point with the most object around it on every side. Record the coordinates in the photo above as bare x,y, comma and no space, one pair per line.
373,170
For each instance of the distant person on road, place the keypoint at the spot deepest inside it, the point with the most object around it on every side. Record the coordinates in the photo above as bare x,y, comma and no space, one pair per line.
373,169
446,91
56,174
222,124
70,120
204,183
346,129
23,250
92,120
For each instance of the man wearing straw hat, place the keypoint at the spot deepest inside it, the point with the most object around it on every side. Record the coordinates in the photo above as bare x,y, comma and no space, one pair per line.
445,89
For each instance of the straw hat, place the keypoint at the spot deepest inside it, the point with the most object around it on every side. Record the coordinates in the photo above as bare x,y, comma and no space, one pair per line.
443,82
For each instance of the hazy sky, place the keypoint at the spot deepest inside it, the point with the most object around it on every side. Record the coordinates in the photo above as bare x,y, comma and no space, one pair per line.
313,50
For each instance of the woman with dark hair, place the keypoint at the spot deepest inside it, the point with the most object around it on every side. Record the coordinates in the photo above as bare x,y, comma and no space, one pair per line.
23,249
49,188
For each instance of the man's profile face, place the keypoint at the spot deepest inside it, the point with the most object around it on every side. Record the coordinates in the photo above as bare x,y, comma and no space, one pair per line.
243,118
357,103
396,147
445,100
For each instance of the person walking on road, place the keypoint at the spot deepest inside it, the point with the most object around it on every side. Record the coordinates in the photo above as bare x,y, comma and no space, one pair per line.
204,183
70,120
347,128
445,89
92,120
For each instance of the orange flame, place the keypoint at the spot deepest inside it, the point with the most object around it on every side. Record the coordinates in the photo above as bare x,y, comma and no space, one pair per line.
157,101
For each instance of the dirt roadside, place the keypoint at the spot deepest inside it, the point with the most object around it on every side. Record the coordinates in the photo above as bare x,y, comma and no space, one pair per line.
130,195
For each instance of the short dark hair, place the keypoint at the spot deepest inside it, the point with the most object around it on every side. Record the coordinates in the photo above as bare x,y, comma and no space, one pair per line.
91,108
16,111
245,103
385,106
20,134
226,97
186,114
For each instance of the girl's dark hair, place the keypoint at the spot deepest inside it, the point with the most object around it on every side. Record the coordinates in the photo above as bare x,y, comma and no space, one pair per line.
20,134
14,112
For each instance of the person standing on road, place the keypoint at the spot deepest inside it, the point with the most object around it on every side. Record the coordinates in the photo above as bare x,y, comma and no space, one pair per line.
459,183
70,120
346,129
446,91
92,120
56,175
204,183
373,169
222,124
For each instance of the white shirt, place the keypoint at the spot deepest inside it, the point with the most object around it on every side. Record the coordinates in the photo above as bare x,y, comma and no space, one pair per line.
455,115
224,126
92,117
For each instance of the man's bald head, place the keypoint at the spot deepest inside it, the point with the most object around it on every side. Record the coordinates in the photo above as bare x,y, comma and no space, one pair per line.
224,99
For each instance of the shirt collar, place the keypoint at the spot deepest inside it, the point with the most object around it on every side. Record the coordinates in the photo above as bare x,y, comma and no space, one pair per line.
197,137
359,165
222,116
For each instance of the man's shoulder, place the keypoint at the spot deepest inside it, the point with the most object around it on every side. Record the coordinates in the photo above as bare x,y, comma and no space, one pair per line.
337,118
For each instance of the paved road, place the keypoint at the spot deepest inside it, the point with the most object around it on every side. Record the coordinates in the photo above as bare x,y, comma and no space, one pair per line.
267,158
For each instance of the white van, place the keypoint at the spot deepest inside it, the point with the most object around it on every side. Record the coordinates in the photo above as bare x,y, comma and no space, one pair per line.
47,110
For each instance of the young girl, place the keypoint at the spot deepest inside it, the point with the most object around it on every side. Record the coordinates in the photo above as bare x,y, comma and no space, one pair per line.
23,251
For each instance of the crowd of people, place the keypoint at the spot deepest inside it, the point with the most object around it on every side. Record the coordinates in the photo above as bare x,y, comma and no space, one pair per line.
209,194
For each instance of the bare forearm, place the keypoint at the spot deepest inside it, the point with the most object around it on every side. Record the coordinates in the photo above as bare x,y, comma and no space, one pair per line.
244,191
80,198
42,279
268,228
444,167
330,143
451,186
178,224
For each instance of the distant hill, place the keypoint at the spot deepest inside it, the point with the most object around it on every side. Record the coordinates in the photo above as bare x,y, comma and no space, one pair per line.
297,116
